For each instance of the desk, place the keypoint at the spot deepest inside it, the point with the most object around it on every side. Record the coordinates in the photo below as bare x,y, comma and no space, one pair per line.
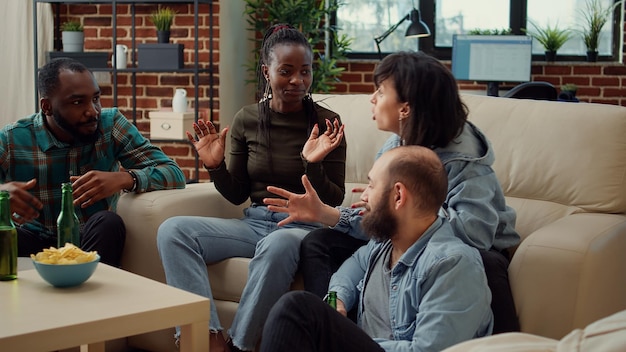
113,303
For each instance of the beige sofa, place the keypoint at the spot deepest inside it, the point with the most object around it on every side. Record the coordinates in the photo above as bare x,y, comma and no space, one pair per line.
562,167
605,335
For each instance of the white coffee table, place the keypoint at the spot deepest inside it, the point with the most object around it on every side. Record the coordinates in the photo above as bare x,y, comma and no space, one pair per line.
113,303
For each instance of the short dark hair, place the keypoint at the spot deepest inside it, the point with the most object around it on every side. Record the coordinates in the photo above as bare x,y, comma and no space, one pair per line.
48,77
437,112
422,172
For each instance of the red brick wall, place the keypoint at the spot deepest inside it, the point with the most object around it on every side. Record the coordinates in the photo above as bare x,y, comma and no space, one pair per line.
597,82
154,90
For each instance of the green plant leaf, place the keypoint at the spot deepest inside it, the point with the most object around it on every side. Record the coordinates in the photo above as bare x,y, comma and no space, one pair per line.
593,17
71,26
551,37
162,18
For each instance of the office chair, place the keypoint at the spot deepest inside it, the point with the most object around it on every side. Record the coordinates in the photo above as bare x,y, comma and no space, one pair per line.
533,90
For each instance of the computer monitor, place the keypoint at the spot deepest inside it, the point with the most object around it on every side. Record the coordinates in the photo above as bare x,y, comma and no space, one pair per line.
492,59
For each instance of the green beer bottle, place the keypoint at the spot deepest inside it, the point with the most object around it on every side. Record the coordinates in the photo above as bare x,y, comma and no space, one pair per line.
68,225
8,240
331,299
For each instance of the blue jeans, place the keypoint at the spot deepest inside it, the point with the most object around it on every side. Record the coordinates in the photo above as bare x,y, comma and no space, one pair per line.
187,243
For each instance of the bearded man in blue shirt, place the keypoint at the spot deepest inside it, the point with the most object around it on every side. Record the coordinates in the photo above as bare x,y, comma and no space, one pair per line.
418,287
73,139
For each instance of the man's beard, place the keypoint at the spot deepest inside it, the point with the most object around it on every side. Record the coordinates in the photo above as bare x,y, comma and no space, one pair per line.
380,224
73,130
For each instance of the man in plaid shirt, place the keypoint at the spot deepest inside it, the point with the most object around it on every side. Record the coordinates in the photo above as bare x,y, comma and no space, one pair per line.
72,139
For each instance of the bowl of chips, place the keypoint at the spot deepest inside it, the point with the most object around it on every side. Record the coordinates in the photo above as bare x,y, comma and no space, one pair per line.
67,266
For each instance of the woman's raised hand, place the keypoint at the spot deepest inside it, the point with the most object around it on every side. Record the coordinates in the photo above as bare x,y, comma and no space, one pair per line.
210,145
318,146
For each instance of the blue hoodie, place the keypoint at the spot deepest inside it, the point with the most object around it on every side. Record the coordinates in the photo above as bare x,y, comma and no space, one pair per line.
475,204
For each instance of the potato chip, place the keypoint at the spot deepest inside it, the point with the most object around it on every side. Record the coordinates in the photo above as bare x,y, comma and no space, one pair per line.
68,254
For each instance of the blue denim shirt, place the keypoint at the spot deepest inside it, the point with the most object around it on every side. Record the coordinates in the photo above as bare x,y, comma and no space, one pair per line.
475,204
438,291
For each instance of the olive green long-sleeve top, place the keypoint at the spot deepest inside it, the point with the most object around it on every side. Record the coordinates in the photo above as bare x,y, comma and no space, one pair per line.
249,173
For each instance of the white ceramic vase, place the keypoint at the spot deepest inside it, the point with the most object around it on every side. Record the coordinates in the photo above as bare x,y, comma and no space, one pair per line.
121,56
179,101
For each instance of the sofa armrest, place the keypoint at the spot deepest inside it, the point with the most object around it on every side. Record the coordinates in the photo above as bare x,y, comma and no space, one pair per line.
143,213
570,273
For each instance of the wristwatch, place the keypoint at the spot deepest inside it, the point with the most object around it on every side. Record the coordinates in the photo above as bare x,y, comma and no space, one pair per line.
134,176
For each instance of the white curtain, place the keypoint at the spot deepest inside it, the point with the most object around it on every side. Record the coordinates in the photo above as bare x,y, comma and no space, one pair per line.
17,89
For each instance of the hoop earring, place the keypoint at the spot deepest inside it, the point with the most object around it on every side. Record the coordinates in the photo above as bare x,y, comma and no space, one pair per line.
267,94
402,140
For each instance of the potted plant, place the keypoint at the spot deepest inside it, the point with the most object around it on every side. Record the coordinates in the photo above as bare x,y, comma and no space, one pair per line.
162,19
568,93
594,17
552,38
72,36
494,31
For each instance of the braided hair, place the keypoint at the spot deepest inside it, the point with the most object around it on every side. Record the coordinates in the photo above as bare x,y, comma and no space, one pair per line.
278,34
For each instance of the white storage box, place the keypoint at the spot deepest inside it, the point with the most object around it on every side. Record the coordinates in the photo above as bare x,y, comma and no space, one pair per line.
170,125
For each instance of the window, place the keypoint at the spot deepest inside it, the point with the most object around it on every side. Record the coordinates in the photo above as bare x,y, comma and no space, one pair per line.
364,20
569,17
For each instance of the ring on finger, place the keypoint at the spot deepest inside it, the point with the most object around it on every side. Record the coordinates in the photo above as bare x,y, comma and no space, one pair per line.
287,204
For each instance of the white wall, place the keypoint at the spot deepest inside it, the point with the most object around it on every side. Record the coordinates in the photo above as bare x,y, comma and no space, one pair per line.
235,48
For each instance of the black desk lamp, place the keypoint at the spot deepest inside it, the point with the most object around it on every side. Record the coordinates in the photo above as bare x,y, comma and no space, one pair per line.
417,29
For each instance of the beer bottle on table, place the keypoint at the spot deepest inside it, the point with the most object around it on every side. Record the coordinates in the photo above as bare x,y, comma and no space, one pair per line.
331,299
68,225
8,240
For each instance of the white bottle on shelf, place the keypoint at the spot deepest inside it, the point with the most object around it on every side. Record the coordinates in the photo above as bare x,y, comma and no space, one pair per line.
179,101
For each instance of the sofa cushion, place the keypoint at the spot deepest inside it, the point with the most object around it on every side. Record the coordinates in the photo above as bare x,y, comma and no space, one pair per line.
606,335
584,150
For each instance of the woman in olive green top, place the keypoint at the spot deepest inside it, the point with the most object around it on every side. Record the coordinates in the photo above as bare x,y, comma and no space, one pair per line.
274,143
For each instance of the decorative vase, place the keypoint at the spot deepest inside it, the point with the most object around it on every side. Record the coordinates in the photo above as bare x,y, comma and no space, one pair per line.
550,55
73,41
179,101
163,36
119,59
592,56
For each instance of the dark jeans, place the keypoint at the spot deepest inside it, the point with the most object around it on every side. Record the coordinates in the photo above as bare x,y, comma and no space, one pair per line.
324,250
103,232
301,321
502,305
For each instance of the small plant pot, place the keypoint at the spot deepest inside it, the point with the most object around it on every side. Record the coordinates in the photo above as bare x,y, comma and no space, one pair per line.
550,56
163,37
73,41
592,56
